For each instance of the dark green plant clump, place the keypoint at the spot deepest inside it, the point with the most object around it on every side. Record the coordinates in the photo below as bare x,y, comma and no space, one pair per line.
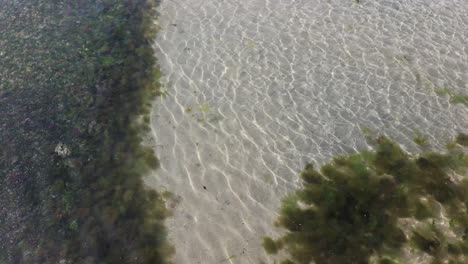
82,201
462,139
353,210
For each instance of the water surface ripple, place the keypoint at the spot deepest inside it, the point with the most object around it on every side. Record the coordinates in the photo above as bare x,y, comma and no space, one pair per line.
257,88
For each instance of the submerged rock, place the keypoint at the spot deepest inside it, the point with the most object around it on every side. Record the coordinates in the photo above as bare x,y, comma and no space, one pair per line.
62,150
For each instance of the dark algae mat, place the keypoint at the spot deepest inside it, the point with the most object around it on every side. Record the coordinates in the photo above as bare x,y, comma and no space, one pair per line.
75,76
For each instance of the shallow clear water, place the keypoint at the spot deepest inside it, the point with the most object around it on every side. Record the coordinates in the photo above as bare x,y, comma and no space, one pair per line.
257,88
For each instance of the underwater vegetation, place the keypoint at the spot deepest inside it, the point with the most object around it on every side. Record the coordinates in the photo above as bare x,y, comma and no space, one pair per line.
420,139
71,166
381,206
462,139
454,98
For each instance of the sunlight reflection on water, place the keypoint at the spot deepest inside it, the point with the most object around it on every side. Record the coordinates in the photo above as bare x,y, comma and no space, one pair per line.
258,88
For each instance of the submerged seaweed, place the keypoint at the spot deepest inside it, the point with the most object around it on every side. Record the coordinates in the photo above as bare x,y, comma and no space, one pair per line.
353,209
72,163
454,97
420,139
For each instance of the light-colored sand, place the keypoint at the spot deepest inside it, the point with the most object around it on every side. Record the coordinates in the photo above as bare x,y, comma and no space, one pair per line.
257,88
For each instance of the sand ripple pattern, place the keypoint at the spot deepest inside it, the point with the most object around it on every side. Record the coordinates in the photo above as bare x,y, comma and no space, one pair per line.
257,88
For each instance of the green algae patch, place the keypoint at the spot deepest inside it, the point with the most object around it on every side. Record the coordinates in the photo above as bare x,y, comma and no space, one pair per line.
368,207
79,197
459,99
250,44
454,98
205,108
420,139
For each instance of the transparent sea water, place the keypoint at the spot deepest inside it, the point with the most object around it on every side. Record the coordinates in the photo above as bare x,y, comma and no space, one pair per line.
255,89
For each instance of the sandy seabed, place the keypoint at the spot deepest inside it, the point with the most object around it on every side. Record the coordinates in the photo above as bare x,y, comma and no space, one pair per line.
255,89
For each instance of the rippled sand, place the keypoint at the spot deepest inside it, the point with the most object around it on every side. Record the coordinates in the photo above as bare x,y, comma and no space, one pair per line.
257,88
